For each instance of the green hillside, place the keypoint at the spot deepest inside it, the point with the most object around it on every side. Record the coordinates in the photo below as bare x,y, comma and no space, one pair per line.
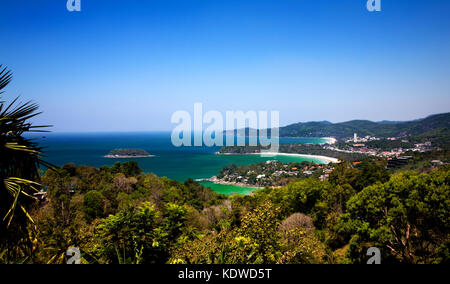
437,124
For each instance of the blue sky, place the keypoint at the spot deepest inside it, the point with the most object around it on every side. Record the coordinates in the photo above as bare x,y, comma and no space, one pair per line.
128,65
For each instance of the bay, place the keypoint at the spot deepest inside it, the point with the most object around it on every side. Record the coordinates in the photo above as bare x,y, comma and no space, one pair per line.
178,163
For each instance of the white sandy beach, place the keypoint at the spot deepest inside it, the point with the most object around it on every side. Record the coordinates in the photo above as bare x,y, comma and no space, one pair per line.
322,158
330,140
272,154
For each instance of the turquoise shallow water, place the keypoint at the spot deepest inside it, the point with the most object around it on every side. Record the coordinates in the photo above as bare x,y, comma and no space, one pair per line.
175,163
229,189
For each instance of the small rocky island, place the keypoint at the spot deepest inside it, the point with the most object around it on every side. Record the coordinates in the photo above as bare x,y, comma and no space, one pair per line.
128,153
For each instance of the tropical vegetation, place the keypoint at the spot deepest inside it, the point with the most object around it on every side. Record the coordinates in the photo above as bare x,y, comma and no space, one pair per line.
118,214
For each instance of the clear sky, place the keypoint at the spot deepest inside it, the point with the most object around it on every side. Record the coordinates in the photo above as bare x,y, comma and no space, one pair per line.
128,65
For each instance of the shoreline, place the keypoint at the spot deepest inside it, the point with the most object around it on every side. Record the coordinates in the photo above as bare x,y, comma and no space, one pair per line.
215,180
323,158
331,140
271,154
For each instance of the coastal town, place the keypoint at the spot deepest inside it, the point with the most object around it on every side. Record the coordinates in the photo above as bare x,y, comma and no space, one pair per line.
392,152
391,147
271,173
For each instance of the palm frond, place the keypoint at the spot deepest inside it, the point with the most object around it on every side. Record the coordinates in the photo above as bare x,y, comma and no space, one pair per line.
17,187
20,159
5,78
17,147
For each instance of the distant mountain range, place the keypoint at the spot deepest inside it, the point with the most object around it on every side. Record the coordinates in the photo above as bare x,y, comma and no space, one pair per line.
432,127
382,129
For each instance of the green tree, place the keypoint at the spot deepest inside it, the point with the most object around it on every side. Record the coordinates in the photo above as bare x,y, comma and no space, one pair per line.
130,169
58,183
260,229
256,242
302,196
93,205
175,218
133,235
407,217
370,173
367,173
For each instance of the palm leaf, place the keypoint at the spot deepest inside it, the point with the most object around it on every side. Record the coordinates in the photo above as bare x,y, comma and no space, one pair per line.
20,159
16,187
16,147
5,78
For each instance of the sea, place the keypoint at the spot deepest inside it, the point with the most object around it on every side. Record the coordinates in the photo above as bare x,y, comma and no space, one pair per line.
177,163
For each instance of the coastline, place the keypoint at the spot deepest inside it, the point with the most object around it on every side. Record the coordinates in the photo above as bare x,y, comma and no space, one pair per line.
215,180
330,140
322,158
325,159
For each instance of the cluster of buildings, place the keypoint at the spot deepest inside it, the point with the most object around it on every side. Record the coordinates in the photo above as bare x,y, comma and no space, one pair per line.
355,149
398,162
357,139
396,152
356,145
326,174
275,172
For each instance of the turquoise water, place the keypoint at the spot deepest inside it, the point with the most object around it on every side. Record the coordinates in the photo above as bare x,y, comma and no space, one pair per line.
175,163
229,189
